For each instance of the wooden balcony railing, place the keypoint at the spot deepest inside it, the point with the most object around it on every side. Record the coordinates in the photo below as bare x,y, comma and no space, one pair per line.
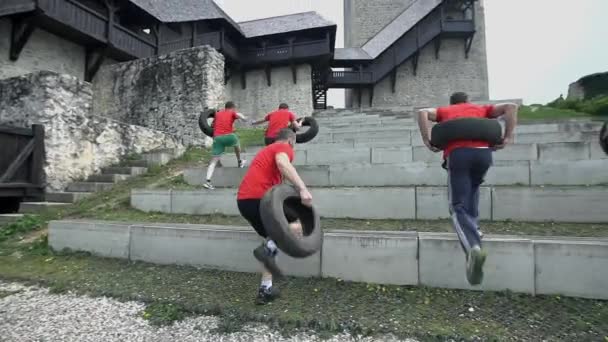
276,53
350,77
94,24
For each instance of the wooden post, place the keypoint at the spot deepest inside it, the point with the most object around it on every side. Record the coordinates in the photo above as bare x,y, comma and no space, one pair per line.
38,156
193,38
156,29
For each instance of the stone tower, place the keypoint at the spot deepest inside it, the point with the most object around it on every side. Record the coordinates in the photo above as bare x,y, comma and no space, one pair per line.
436,76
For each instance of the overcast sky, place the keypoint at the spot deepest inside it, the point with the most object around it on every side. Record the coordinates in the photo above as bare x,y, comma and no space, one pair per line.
536,48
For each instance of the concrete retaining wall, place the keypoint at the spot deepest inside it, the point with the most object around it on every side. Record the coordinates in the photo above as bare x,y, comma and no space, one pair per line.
559,204
576,267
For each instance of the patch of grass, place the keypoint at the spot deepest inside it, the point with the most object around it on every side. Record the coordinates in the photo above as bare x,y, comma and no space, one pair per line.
325,305
250,137
536,112
164,313
24,225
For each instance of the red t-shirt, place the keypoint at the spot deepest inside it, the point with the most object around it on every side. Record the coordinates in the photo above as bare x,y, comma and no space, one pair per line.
223,122
463,110
278,120
263,172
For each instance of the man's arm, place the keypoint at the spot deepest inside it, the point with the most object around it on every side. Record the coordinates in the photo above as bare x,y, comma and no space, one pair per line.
424,116
259,122
289,172
241,116
509,112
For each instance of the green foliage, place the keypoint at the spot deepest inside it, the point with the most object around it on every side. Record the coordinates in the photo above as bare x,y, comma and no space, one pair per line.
21,226
595,85
597,106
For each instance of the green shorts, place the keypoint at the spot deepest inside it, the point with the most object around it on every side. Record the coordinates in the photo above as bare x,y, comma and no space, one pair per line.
220,143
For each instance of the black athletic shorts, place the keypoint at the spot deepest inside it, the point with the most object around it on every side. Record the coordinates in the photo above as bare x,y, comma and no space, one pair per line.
269,141
250,210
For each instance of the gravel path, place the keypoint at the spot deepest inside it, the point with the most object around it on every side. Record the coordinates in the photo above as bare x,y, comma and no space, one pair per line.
32,314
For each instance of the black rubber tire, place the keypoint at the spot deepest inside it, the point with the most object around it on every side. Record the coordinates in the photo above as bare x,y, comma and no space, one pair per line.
311,133
466,129
273,206
604,137
203,122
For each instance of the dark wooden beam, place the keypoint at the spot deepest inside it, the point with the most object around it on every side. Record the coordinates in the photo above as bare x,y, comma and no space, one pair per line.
227,74
468,42
243,79
111,8
415,62
20,34
18,162
359,97
268,72
193,37
294,73
394,80
93,60
437,47
371,96
157,30
38,156
291,41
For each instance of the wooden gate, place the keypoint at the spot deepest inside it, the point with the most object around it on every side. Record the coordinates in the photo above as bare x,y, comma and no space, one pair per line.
21,162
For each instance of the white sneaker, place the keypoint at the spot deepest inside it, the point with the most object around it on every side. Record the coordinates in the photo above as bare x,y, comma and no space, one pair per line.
242,163
209,186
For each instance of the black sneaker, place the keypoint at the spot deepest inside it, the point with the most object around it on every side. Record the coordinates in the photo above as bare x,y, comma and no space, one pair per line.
266,295
475,261
264,255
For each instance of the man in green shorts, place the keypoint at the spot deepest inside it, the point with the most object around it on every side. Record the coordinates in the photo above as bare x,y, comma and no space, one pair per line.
223,136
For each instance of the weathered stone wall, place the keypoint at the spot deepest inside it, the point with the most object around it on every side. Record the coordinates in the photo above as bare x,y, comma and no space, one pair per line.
258,98
363,19
77,143
436,79
43,51
165,93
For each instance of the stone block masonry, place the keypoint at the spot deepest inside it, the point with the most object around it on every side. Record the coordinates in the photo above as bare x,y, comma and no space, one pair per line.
258,99
44,51
78,144
165,93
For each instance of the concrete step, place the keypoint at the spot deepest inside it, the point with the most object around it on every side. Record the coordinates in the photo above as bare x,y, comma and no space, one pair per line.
502,173
529,204
40,207
6,219
386,153
66,197
89,187
570,266
133,171
108,178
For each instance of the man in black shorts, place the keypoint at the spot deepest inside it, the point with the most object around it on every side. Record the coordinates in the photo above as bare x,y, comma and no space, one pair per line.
269,167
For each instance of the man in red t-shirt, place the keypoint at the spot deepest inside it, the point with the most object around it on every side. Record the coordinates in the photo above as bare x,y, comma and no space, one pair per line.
467,162
269,167
223,136
278,120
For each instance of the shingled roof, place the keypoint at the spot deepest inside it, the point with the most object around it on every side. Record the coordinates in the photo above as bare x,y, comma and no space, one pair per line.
283,24
172,11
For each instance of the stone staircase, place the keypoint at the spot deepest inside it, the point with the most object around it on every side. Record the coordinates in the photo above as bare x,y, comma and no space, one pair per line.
106,180
373,165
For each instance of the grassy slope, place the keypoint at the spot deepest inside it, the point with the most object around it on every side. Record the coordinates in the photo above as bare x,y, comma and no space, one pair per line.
326,305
